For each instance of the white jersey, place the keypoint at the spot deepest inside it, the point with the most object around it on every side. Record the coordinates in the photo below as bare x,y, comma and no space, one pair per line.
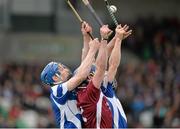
64,105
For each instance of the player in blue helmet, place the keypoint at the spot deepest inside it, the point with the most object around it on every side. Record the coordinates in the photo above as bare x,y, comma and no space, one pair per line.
114,51
62,83
53,69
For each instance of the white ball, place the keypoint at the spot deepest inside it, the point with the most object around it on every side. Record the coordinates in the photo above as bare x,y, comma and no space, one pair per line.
113,8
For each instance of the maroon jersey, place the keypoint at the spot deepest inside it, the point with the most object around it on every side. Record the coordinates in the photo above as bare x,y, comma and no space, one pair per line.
88,101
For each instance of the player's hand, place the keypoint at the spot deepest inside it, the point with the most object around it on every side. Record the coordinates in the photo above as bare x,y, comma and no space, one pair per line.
122,32
85,28
94,44
105,31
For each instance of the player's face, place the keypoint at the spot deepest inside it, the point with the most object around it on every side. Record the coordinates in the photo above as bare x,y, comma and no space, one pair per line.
63,73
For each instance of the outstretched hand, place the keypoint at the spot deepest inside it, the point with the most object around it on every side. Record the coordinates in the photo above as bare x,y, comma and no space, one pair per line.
94,44
122,32
105,31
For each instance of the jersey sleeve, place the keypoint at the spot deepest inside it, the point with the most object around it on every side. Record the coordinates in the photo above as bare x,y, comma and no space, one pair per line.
60,93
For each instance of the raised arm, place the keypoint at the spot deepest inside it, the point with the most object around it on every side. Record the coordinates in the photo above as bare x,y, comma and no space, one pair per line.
110,46
85,27
84,68
115,56
101,60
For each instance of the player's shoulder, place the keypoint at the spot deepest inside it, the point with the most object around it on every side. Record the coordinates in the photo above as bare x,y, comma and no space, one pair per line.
59,88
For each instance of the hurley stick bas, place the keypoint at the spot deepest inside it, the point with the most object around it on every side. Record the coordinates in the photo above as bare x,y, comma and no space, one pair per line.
93,12
78,16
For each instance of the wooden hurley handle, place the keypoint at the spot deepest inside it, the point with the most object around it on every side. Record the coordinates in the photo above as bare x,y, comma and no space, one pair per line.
86,2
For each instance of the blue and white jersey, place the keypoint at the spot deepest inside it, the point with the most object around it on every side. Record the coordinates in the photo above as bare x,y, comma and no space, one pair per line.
64,105
119,117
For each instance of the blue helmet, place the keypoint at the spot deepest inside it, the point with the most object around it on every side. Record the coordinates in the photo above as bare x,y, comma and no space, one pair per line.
86,81
93,68
92,71
49,71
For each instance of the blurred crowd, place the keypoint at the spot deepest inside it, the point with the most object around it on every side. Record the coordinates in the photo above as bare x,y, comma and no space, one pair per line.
149,91
24,101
